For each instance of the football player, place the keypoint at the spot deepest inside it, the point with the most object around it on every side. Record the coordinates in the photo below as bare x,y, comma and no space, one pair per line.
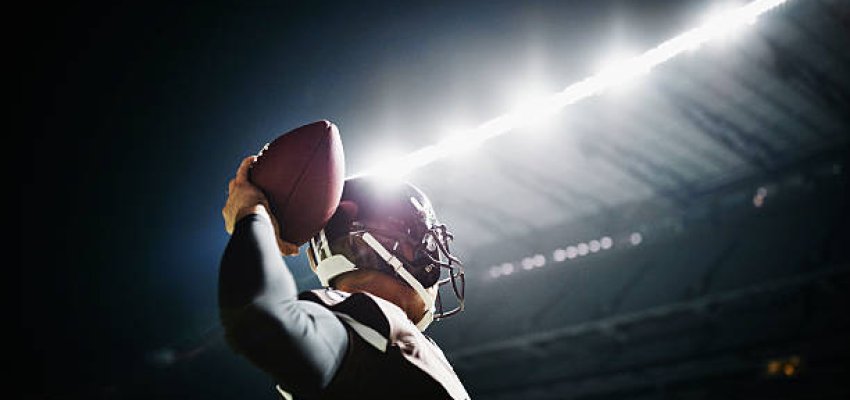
381,258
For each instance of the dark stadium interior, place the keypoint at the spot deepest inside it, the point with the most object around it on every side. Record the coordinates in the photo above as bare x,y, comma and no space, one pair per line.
686,237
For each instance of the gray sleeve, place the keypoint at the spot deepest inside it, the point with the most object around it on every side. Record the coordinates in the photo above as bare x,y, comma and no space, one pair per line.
299,343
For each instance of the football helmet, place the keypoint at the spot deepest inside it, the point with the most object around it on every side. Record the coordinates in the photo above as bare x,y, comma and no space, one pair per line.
391,227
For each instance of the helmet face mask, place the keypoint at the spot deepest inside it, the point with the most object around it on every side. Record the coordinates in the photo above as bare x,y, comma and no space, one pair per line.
378,225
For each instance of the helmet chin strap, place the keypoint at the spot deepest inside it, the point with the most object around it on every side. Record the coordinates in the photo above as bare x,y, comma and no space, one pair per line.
335,265
398,266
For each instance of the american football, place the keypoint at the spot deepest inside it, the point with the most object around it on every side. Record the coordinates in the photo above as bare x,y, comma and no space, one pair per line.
301,173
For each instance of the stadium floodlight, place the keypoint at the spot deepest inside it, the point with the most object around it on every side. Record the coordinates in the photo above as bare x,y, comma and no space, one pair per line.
718,26
539,260
559,255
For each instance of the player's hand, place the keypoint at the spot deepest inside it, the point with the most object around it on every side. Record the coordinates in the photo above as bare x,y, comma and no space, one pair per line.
244,198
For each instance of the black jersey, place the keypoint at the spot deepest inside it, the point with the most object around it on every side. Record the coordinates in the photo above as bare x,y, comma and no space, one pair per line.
388,357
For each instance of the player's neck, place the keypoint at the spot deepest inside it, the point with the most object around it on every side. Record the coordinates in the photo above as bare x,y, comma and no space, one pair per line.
385,287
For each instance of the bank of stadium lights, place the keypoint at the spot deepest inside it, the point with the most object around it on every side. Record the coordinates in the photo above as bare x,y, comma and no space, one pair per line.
631,239
561,255
718,26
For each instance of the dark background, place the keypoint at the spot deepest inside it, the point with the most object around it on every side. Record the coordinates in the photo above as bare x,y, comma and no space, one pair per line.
142,111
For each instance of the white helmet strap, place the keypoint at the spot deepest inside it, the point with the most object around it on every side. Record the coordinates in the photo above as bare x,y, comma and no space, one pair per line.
398,266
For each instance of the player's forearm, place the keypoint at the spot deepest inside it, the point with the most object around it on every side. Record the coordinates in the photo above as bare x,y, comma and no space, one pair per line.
298,343
252,271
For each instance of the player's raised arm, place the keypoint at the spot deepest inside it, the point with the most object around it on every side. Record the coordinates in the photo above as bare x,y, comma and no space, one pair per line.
379,251
298,343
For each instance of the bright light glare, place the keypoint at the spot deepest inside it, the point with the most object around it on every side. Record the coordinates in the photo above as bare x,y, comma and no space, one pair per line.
457,142
717,26
619,70
725,22
392,164
531,109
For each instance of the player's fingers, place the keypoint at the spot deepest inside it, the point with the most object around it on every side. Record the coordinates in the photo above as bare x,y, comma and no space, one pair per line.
228,224
242,172
230,185
286,248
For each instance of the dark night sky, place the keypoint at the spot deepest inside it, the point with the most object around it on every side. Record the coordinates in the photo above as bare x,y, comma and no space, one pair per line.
143,111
